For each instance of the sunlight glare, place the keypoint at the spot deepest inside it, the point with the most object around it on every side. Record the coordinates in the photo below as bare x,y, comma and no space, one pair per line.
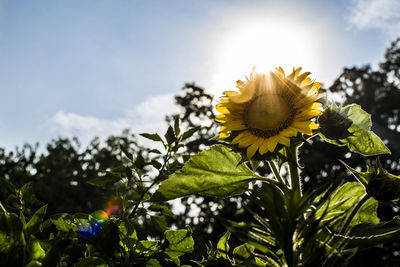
264,44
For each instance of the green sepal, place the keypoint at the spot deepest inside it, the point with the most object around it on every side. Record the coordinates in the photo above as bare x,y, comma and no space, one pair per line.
358,137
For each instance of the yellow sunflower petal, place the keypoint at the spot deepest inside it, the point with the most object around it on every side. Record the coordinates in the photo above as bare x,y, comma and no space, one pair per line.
309,114
221,108
281,71
284,140
305,82
259,123
271,143
223,135
264,147
313,125
302,77
245,95
244,139
230,93
294,74
251,150
221,118
289,132
316,86
237,139
235,125
303,126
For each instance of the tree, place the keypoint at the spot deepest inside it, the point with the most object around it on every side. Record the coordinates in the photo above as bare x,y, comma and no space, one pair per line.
60,175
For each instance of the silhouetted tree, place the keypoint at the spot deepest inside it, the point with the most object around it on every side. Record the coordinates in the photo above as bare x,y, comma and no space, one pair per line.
60,175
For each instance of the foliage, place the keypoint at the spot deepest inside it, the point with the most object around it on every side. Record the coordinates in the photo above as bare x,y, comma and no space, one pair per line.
108,237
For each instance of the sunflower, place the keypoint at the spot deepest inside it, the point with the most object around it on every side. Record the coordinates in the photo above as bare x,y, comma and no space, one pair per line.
269,109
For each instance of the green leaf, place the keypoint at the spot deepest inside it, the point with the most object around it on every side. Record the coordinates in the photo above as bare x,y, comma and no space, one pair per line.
153,263
170,135
159,222
35,249
127,229
147,246
180,242
104,180
12,242
175,260
223,246
190,132
362,177
32,227
63,222
140,162
343,199
8,185
176,126
156,164
155,151
126,152
91,262
213,172
243,252
163,209
371,234
154,137
54,254
108,238
362,140
34,263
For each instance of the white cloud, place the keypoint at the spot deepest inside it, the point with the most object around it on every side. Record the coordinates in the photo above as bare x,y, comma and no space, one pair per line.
148,116
376,14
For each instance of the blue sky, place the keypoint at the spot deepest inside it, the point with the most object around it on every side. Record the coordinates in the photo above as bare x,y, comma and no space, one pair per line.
92,68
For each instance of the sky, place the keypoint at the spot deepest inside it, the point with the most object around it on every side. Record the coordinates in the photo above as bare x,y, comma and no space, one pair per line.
93,68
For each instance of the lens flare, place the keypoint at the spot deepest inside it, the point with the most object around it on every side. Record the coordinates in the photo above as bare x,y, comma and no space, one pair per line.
93,226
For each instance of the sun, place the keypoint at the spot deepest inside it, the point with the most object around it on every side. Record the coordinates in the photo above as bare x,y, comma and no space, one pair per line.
263,44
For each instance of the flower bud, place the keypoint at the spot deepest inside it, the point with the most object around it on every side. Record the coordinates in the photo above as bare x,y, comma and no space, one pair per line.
382,185
334,123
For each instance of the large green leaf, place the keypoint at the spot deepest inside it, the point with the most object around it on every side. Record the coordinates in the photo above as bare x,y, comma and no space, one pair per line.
362,140
213,172
12,241
32,227
343,199
371,234
180,242
159,222
35,249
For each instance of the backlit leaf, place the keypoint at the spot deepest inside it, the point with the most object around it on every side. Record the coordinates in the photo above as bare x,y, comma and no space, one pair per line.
213,172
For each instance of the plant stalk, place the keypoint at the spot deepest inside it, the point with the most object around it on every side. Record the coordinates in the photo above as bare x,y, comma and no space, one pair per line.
275,170
353,213
293,169
2,209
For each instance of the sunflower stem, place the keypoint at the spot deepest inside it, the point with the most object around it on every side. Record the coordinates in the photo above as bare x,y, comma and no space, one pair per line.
353,213
271,181
293,169
275,170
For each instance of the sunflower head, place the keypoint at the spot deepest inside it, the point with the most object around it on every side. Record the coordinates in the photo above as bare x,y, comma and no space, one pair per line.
268,109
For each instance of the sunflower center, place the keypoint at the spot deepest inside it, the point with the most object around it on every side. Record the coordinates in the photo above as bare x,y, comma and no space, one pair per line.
269,114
